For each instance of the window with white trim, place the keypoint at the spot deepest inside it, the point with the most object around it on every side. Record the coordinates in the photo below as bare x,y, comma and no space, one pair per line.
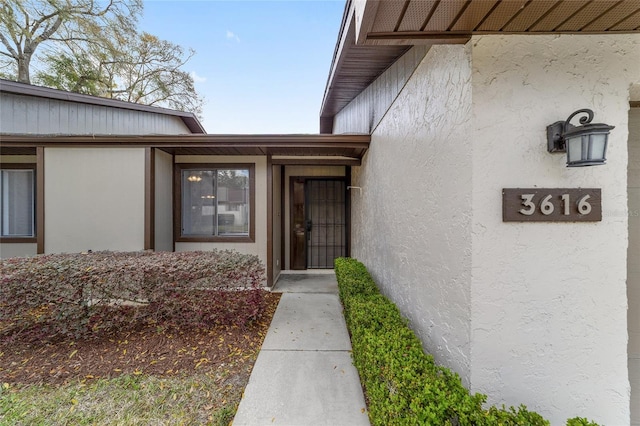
17,198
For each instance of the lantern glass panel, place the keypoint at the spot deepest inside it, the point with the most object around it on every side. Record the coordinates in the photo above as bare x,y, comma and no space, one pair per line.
574,149
598,141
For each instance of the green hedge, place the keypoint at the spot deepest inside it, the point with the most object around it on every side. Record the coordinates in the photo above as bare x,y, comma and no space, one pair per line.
403,385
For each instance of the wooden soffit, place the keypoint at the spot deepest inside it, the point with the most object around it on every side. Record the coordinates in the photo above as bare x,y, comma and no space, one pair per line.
398,21
345,147
374,34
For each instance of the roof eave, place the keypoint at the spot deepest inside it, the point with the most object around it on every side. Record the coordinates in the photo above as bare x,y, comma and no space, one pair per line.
345,146
372,24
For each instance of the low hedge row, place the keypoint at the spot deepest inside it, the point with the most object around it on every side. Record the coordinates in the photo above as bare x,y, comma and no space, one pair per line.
403,385
79,295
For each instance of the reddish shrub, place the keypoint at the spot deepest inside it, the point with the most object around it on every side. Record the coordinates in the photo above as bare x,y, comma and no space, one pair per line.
84,294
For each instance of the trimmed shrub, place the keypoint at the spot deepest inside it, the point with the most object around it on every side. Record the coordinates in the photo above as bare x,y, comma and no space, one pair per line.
354,279
581,421
403,385
78,295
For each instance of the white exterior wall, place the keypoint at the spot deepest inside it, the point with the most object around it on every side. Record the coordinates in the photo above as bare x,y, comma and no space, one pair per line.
412,224
549,305
530,313
18,250
633,266
94,199
164,201
259,246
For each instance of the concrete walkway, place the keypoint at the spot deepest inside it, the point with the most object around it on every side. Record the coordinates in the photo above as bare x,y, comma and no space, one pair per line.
304,374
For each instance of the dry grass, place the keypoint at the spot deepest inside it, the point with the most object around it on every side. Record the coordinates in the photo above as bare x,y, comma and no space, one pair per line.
125,380
127,400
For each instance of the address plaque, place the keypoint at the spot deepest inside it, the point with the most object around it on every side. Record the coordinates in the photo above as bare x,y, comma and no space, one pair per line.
551,205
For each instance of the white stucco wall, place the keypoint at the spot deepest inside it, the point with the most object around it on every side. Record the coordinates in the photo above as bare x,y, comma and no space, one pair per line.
164,201
259,246
17,250
549,302
412,223
526,313
94,199
633,266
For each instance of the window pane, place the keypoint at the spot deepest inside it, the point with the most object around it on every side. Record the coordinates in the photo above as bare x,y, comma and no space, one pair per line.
198,202
233,202
17,203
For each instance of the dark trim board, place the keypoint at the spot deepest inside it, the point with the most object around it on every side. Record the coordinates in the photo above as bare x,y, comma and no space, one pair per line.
347,206
38,169
318,162
40,216
149,198
327,149
269,222
283,203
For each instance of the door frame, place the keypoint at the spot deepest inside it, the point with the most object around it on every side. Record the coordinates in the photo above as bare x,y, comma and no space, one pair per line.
347,205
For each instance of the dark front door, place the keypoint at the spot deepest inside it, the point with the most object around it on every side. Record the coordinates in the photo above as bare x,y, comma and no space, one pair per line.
319,222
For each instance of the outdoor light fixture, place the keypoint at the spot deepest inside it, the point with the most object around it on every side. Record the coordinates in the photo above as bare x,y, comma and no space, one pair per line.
585,145
194,178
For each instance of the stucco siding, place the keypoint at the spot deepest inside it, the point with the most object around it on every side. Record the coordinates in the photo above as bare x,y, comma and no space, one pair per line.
17,250
21,114
412,221
549,306
633,265
94,199
163,201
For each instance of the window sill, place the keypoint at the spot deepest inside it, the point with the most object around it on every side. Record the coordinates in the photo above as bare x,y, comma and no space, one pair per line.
16,240
239,239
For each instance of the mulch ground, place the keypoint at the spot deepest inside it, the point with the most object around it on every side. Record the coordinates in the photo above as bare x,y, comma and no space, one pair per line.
148,351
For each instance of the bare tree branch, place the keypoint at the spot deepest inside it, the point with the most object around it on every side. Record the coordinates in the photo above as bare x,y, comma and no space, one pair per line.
28,24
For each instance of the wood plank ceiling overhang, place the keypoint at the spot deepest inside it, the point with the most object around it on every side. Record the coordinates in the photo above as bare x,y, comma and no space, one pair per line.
374,34
347,149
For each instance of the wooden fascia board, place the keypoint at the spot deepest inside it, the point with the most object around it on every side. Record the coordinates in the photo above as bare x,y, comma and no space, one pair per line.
346,38
415,38
328,161
264,142
365,15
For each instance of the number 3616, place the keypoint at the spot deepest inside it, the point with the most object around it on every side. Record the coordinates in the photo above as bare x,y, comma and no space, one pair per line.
546,204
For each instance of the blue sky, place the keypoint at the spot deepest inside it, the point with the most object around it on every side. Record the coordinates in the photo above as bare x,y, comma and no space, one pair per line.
262,65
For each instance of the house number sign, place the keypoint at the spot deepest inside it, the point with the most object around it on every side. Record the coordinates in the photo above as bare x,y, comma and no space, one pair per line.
551,205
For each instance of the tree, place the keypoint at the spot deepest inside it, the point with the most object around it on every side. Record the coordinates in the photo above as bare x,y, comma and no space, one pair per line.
26,24
93,47
140,68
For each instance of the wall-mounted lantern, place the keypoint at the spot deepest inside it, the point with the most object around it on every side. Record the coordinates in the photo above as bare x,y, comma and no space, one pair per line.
585,145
